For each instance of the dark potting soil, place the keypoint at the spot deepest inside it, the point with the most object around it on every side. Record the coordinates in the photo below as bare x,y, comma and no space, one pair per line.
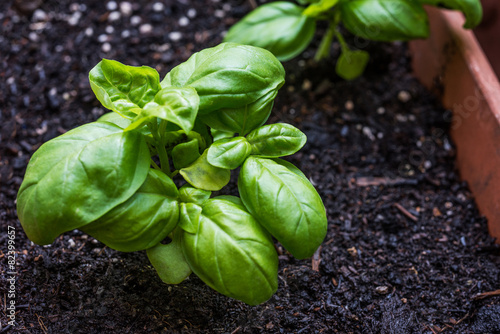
406,250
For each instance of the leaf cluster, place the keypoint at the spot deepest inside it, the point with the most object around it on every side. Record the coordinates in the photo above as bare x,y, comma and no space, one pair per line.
286,29
114,178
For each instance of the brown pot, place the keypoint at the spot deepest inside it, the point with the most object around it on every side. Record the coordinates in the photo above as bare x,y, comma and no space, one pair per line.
452,63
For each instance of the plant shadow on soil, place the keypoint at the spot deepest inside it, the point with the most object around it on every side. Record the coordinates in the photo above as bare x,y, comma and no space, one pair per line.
406,250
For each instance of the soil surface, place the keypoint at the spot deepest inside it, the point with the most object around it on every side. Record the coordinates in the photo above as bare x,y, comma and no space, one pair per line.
406,250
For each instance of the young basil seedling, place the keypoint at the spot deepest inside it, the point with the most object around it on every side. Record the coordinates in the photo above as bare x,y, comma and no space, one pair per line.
114,178
286,29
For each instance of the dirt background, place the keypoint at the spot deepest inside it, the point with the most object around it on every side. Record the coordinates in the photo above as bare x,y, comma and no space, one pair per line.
406,250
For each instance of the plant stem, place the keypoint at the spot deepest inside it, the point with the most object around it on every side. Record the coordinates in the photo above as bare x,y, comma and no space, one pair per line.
326,42
343,45
159,136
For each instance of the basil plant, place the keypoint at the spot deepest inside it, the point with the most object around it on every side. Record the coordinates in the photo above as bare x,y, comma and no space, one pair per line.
286,29
114,178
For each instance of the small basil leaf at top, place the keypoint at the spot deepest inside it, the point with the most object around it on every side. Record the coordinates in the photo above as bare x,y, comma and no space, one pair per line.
229,153
169,262
201,174
244,119
351,64
176,105
79,176
285,203
472,9
122,88
276,140
143,220
228,76
320,7
231,252
279,27
382,20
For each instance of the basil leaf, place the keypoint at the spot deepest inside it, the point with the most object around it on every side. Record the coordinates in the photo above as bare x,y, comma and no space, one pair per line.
202,175
114,118
351,64
279,27
318,8
176,105
190,194
231,252
382,20
169,262
122,88
143,220
471,8
185,154
228,76
242,120
285,203
229,153
276,140
220,134
76,178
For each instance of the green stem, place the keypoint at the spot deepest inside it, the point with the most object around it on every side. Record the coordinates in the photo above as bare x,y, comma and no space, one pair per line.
343,45
324,47
159,138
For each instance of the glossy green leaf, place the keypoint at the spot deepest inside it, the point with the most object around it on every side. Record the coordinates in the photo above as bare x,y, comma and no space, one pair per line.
219,134
122,88
351,64
185,154
176,105
201,174
190,194
229,153
279,27
318,8
231,252
285,203
76,178
143,220
276,140
190,216
114,118
242,120
471,8
169,262
382,20
228,76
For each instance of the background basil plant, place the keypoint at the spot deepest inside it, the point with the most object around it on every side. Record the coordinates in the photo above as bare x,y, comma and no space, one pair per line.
286,29
113,178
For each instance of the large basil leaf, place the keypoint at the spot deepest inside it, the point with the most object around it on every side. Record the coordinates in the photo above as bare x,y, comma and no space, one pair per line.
201,174
242,120
176,105
385,20
115,118
122,88
276,140
229,153
231,252
228,76
169,262
471,8
279,27
285,203
143,220
76,178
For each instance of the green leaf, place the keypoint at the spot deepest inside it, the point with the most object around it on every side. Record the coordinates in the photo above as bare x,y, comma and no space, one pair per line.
169,262
232,253
228,76
471,8
285,203
185,154
201,174
190,216
220,134
76,178
176,105
143,220
382,20
351,64
122,88
114,118
242,120
229,153
279,27
318,8
190,194
276,140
